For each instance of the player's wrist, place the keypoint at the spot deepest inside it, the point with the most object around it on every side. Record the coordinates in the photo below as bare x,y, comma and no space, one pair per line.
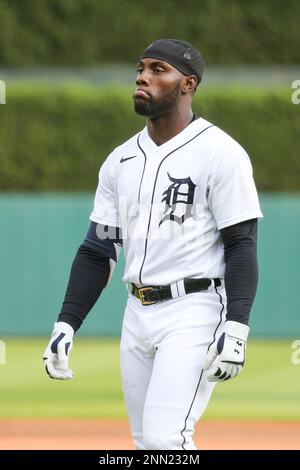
74,321
237,330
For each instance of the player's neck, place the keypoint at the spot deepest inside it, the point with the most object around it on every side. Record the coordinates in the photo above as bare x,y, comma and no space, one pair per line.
165,128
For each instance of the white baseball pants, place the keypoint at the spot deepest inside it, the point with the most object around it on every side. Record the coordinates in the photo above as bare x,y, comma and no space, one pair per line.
163,347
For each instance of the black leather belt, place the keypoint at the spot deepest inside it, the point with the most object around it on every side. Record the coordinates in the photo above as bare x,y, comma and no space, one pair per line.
152,294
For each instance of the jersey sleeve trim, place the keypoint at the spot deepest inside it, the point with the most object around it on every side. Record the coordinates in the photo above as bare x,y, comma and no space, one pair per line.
99,220
242,218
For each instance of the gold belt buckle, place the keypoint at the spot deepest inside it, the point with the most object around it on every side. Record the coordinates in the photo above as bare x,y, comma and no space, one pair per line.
142,291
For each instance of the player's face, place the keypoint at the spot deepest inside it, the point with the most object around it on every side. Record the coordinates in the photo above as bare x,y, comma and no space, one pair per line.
158,88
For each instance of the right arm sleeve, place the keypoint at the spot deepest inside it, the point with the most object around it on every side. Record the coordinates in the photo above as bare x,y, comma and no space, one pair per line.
88,277
105,209
90,273
96,257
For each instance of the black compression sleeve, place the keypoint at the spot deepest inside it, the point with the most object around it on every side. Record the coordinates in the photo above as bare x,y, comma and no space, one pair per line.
241,272
88,277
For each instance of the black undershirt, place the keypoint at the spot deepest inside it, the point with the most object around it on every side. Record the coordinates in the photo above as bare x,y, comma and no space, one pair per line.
90,271
241,270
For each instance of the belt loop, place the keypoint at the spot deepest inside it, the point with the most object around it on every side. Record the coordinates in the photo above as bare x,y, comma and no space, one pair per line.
174,290
180,287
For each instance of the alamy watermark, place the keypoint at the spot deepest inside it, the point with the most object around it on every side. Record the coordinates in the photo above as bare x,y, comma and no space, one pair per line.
156,222
2,353
295,98
2,92
295,357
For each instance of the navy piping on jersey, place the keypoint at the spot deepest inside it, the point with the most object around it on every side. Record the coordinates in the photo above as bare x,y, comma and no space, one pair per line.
138,142
153,192
201,375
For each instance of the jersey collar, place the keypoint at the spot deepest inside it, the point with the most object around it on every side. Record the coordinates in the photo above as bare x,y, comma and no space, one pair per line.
186,134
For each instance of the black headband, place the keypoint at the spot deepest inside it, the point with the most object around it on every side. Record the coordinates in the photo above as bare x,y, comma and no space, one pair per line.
180,54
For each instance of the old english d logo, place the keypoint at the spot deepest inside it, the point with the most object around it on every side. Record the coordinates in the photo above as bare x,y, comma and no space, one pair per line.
179,198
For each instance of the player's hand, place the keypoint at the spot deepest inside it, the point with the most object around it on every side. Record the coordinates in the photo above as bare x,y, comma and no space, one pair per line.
226,356
56,355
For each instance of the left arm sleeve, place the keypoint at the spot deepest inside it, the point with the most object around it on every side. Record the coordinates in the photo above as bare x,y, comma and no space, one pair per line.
232,195
241,271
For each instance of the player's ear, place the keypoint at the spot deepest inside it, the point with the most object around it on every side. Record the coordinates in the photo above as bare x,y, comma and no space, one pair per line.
189,84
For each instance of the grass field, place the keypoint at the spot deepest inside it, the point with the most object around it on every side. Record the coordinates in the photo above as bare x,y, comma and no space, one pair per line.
268,388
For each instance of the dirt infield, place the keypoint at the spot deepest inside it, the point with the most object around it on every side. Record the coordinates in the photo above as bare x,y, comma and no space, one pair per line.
110,435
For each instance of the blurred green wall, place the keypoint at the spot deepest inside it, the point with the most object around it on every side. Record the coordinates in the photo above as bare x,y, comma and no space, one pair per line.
41,233
89,32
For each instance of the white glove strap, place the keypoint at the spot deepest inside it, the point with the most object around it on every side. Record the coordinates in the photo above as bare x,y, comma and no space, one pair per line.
64,327
237,330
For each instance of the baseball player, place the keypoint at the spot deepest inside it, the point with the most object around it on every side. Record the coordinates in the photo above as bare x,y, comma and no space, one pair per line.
179,196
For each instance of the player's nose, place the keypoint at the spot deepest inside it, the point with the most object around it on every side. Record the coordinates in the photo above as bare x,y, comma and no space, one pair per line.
142,78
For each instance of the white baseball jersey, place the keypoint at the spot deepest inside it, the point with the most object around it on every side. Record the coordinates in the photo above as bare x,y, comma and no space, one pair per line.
171,201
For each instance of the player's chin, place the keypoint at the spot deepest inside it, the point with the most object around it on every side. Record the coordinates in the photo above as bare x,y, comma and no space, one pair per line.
141,107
